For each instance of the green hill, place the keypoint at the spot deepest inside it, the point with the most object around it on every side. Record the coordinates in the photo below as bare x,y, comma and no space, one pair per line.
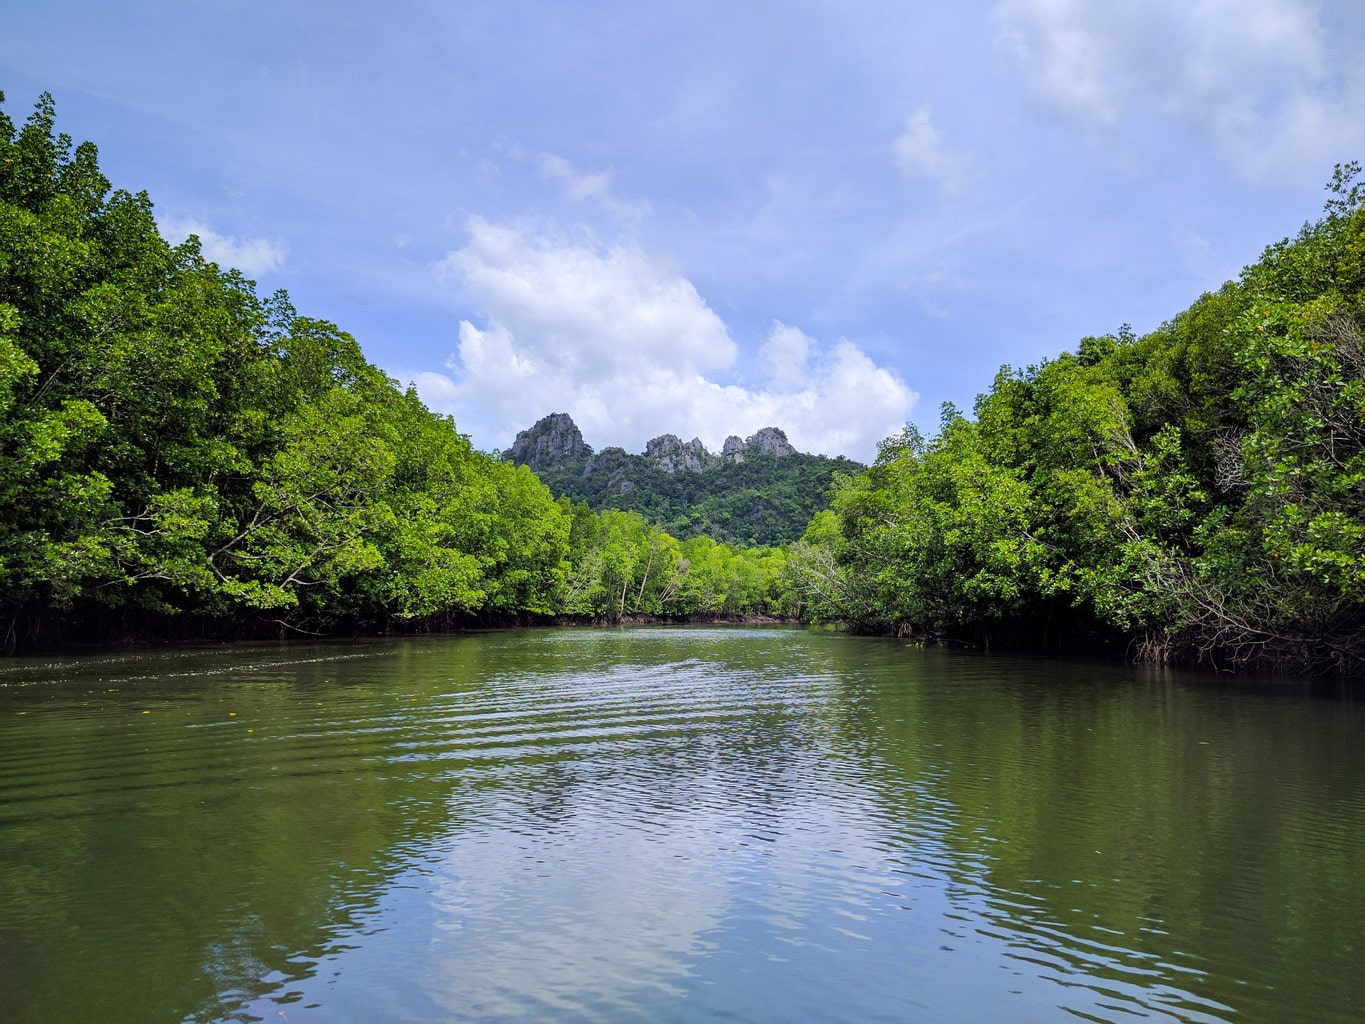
759,491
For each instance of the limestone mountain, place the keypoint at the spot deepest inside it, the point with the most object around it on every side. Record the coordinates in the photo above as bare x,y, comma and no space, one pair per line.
554,439
757,490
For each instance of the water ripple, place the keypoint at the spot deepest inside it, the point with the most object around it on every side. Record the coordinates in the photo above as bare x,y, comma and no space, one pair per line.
669,824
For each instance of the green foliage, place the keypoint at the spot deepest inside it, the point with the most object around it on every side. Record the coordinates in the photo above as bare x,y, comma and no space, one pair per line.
623,565
764,500
1198,492
169,441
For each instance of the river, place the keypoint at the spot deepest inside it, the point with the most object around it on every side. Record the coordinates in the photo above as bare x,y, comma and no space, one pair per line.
675,824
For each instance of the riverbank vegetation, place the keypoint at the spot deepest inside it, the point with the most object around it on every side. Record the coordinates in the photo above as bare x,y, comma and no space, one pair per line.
177,448
1194,495
180,456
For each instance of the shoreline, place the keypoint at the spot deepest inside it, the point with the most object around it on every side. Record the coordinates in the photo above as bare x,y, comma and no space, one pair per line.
141,631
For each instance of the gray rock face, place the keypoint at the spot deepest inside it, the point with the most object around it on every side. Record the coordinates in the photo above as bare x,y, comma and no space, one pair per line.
669,453
733,448
770,441
663,445
553,439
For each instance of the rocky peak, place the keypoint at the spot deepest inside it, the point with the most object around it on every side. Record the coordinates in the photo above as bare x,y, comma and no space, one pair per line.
770,441
664,444
669,453
555,442
554,439
733,448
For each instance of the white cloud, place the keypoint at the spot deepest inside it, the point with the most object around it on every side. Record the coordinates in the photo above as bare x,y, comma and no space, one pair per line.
786,354
625,344
1260,79
1066,50
252,256
578,186
920,154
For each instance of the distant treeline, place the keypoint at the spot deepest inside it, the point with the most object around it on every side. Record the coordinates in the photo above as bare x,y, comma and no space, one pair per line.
174,447
1194,495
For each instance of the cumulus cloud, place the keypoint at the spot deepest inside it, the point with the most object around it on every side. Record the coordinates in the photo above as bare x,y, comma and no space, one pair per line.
786,354
252,256
1260,79
920,154
625,344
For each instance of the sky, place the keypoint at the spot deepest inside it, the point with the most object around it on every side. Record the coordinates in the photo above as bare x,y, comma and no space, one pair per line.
704,218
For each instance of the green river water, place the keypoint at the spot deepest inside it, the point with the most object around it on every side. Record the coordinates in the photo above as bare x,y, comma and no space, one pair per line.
671,824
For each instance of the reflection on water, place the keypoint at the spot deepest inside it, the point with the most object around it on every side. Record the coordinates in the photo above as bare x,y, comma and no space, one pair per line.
673,824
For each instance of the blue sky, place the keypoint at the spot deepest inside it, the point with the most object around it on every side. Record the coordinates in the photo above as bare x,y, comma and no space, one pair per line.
705,218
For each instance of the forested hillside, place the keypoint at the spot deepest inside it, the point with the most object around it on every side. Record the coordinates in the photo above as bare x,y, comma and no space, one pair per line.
1196,494
179,455
756,491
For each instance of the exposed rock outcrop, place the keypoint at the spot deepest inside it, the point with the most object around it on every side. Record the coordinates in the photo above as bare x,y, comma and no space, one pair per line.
733,448
770,441
669,453
554,440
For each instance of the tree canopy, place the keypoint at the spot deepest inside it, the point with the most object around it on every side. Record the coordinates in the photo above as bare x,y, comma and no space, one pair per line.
172,444
1196,494
175,448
